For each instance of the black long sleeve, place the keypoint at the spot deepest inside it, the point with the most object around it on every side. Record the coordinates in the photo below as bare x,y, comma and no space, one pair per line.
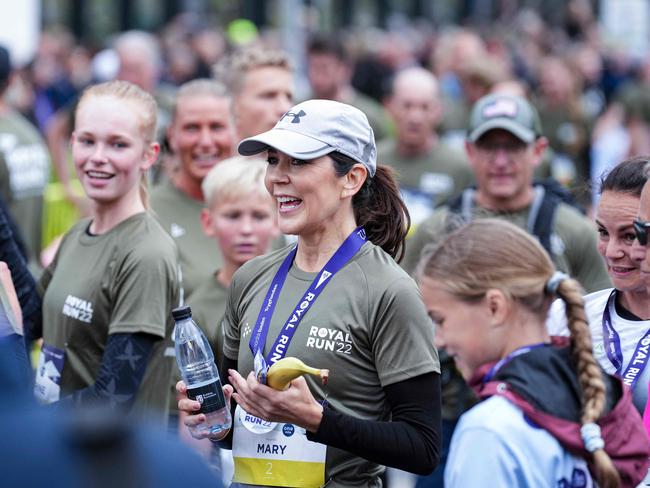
13,253
121,371
15,371
410,441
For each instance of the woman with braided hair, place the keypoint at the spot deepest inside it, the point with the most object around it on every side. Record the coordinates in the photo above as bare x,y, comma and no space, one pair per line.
549,416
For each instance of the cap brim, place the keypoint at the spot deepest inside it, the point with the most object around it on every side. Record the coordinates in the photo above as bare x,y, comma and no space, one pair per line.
292,143
526,135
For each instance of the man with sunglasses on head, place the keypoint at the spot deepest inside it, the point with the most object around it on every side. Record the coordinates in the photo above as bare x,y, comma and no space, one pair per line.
504,146
642,229
642,256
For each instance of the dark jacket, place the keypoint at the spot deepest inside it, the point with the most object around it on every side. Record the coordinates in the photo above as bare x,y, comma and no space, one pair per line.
544,385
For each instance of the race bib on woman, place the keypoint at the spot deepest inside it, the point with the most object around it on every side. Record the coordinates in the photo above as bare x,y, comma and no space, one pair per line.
275,454
47,385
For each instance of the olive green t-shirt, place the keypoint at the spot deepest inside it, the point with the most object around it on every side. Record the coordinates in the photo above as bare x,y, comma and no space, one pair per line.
428,179
368,326
24,173
574,242
180,216
123,281
208,308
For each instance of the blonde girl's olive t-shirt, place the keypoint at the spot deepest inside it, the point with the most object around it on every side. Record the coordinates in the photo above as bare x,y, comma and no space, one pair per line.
123,281
368,327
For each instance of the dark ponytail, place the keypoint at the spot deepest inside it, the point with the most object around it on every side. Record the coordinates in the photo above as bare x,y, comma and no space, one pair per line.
378,207
626,177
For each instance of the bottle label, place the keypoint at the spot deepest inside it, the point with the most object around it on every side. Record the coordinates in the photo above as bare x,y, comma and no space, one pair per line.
210,396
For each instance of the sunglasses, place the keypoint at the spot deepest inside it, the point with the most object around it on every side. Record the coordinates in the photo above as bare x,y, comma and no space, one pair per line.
641,231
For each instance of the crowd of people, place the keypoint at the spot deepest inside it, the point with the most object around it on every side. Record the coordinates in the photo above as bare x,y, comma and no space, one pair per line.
455,226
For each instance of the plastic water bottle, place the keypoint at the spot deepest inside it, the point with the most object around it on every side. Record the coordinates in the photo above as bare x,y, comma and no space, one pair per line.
196,363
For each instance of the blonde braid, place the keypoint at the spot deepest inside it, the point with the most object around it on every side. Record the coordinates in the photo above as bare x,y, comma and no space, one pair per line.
589,375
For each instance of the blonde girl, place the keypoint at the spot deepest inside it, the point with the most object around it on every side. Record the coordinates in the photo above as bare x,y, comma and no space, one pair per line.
107,294
488,287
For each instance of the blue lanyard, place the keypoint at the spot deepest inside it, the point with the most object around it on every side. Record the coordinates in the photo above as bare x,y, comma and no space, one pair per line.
505,360
613,349
343,254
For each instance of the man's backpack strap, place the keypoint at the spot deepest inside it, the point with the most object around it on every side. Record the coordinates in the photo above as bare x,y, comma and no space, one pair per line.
540,218
463,204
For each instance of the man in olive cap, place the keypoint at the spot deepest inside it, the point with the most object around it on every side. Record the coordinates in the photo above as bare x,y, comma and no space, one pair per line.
504,146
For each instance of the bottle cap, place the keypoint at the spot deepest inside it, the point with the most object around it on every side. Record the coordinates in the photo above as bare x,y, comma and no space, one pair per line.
181,313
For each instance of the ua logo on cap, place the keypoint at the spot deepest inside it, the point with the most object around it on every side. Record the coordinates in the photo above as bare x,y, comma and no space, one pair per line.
296,116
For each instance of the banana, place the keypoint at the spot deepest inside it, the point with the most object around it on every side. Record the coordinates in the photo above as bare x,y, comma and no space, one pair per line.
282,372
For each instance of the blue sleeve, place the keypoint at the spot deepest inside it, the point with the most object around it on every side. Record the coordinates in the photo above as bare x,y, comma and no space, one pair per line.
479,456
10,253
15,370
123,365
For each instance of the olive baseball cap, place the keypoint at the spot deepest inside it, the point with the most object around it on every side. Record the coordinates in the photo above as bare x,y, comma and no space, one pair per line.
315,128
511,113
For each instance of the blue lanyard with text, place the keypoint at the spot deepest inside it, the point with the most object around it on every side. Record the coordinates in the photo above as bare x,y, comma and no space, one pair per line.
503,361
613,349
343,254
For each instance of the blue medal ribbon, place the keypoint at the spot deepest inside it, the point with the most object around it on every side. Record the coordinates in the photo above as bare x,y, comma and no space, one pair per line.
505,360
343,254
612,343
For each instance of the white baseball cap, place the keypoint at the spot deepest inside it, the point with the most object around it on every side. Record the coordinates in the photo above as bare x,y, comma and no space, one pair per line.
315,128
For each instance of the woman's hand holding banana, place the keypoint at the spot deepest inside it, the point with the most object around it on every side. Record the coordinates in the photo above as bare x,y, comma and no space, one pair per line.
275,402
295,405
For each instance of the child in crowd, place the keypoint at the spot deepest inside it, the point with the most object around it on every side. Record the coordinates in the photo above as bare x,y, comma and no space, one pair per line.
239,214
488,287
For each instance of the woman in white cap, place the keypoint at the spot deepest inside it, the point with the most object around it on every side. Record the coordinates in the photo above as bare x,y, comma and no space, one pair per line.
336,300
619,317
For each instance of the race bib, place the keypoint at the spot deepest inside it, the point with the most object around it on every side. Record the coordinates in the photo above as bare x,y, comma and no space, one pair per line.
47,386
275,454
420,205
